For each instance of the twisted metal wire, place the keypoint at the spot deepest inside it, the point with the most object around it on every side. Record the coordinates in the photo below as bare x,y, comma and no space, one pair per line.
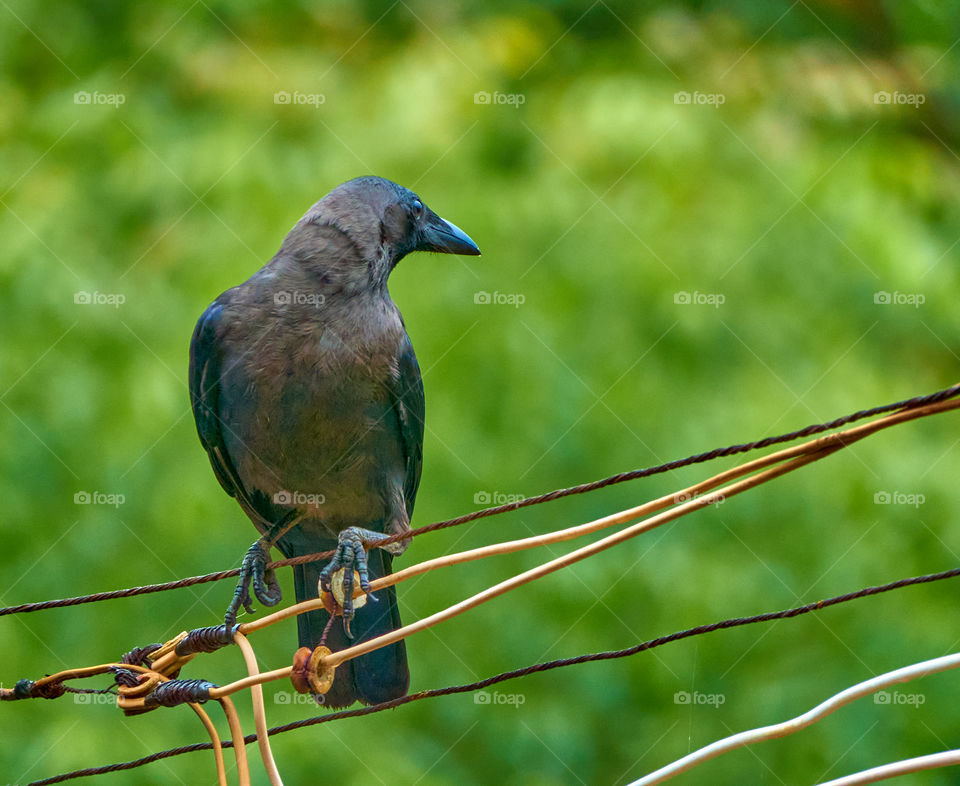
515,673
699,458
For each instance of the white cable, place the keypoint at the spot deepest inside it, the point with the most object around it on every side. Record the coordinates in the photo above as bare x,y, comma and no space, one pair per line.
819,712
892,770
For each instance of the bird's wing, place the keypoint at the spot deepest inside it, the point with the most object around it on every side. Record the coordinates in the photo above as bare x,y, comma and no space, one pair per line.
407,392
206,358
207,366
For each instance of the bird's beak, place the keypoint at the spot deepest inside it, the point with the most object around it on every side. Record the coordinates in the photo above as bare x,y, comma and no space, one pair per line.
445,238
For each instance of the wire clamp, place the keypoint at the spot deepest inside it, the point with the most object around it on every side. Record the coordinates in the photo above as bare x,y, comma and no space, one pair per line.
310,673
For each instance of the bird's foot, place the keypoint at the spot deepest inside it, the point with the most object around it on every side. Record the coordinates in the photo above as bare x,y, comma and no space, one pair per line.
351,556
254,572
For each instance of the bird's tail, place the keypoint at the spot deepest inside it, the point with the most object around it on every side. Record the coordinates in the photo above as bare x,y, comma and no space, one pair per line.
378,676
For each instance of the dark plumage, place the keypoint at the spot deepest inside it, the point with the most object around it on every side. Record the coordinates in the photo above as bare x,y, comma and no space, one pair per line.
308,400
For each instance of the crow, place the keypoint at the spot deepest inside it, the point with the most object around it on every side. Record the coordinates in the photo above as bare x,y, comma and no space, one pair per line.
308,401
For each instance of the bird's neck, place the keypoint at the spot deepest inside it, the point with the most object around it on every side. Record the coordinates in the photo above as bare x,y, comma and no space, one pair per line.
327,259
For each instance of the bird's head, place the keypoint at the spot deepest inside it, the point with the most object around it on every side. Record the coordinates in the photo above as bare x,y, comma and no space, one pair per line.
381,223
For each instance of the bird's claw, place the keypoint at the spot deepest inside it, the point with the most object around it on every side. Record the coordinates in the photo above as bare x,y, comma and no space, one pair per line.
349,556
254,572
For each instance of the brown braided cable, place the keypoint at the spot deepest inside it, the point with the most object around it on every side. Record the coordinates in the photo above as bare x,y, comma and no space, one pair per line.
699,458
522,672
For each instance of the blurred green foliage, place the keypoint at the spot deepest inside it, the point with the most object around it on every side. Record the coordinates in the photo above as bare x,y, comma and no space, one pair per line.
599,199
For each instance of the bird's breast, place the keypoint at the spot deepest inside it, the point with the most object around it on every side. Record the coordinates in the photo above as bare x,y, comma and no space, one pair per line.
312,422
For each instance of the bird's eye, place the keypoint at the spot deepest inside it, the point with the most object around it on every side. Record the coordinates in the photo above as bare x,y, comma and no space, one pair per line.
417,209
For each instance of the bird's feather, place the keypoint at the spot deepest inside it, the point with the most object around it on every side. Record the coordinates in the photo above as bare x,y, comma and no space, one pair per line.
408,403
206,366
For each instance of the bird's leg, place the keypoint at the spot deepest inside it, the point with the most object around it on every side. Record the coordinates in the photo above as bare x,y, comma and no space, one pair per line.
351,555
254,572
400,525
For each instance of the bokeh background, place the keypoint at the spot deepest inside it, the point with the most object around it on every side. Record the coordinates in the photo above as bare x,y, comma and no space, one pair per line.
804,201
